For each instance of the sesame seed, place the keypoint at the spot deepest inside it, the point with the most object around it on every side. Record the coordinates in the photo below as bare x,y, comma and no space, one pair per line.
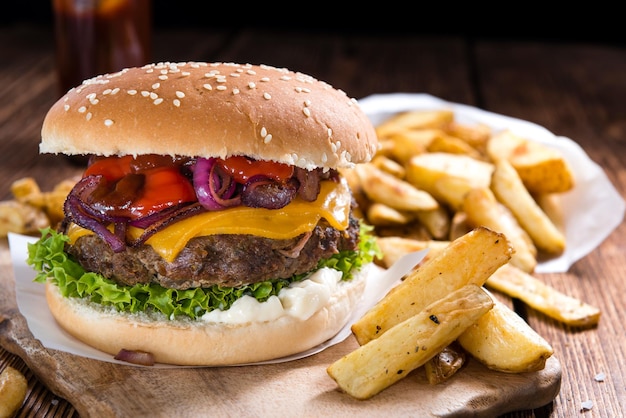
106,91
251,85
115,90
180,94
158,101
94,101
221,87
176,102
66,107
235,91
265,79
324,158
298,89
162,77
267,138
263,132
207,86
185,73
330,132
307,102
235,75
132,92
88,116
267,96
82,109
251,72
306,111
156,85
153,95
145,93
306,90
285,78
108,122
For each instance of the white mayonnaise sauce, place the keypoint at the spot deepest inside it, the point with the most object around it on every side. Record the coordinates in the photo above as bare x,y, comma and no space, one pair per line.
300,300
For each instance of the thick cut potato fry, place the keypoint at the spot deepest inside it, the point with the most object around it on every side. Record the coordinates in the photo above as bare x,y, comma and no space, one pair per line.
384,188
445,364
475,135
414,120
509,189
393,248
436,221
547,300
542,169
406,144
552,206
21,218
379,214
503,341
390,166
483,209
453,145
471,259
425,170
380,363
13,387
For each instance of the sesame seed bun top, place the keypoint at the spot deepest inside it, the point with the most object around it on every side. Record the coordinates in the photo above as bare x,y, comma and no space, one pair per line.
201,109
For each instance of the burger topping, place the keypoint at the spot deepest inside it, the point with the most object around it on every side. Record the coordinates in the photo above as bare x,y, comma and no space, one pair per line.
119,196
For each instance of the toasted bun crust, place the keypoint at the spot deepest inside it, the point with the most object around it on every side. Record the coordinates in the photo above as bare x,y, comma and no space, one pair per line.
201,109
204,343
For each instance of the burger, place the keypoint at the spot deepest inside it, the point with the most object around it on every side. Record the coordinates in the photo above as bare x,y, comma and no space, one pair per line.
212,225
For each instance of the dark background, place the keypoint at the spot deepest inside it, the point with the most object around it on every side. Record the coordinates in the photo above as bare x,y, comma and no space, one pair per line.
590,22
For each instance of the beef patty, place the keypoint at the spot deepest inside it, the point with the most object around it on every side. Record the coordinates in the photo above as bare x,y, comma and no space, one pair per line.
227,260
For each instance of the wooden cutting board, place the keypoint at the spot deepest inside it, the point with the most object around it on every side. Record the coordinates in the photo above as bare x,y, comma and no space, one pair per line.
299,388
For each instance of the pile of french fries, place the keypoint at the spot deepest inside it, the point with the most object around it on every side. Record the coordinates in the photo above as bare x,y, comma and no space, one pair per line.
486,205
32,209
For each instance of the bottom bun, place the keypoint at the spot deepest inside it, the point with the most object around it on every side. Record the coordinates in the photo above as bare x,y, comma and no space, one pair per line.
201,343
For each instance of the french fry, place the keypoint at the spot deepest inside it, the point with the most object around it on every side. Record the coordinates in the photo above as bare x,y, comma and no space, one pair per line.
475,135
379,214
504,342
552,206
380,363
542,169
444,364
393,248
385,188
509,189
406,144
545,299
453,145
13,387
21,218
483,209
471,259
424,171
436,221
390,166
414,120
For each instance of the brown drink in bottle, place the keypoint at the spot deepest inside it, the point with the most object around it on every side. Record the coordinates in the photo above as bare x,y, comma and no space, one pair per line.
100,36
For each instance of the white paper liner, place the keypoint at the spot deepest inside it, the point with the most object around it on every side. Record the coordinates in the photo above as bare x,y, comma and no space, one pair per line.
592,210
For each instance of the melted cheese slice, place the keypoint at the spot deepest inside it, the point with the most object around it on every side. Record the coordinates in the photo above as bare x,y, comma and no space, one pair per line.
298,217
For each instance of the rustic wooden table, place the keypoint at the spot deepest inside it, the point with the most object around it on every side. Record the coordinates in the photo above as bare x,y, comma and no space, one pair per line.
576,90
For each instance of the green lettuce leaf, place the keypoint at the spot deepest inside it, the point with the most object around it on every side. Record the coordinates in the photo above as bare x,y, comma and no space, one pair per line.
49,260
